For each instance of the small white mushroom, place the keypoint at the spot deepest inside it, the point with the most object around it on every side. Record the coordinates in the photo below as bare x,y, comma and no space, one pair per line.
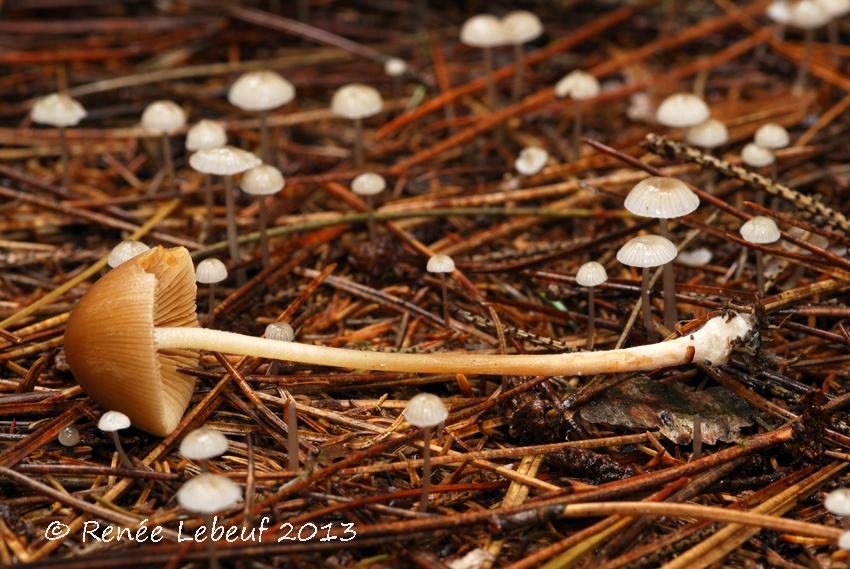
757,156
368,185
125,251
425,411
708,134
579,86
645,252
164,118
357,102
520,27
807,15
760,230
280,331
485,32
531,160
780,12
838,502
206,134
682,110
261,181
591,275
210,272
208,493
695,258
60,111
203,444
443,265
772,136
111,422
395,67
261,92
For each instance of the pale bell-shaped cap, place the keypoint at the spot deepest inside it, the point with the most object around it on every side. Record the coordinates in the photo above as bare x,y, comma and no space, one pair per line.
223,160
760,230
280,331
208,494
661,198
125,251
112,421
647,251
57,109
780,11
695,258
808,15
440,263
577,85
425,410
262,180
163,117
844,541
708,134
835,8
772,136
682,110
531,160
483,30
356,101
368,184
591,274
640,108
260,91
521,26
203,443
210,271
205,134
757,156
395,67
838,502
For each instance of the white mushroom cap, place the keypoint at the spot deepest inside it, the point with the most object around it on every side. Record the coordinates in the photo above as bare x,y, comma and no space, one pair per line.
779,11
210,271
125,251
208,494
395,67
647,251
203,443
112,421
205,134
661,198
368,184
695,258
425,410
262,180
531,160
760,229
757,156
577,85
835,8
521,26
57,110
808,14
682,110
280,331
163,117
708,134
440,263
844,540
838,502
483,30
591,274
260,91
772,136
223,160
356,101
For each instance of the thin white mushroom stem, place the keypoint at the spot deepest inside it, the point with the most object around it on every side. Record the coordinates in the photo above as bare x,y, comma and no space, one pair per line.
591,318
232,242
488,70
167,159
759,272
805,62
210,205
445,286
292,435
670,312
519,71
712,344
426,468
210,304
122,456
644,300
358,144
264,235
63,149
265,139
370,219
577,127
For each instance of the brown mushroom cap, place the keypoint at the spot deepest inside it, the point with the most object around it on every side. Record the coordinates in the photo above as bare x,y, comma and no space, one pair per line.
109,339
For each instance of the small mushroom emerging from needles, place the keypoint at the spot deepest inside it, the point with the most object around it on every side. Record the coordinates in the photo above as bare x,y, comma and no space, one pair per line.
136,327
590,275
368,185
164,118
531,160
125,251
695,258
757,156
773,137
760,230
807,15
838,502
357,102
835,9
202,445
485,32
663,198
261,92
579,86
520,27
206,134
226,161
111,422
425,411
708,135
396,68
646,252
69,436
442,265
282,332
207,494
210,272
262,181
60,111
682,110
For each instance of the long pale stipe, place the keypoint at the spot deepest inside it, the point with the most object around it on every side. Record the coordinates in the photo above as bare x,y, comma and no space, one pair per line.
712,344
